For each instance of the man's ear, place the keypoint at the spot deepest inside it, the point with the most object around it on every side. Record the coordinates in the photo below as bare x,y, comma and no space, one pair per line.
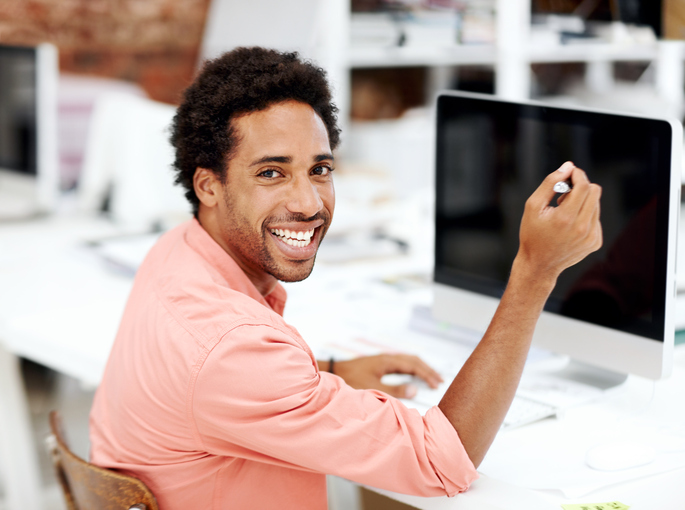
207,186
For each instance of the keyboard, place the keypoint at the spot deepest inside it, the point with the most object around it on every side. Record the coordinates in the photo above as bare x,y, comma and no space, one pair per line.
538,396
446,348
523,410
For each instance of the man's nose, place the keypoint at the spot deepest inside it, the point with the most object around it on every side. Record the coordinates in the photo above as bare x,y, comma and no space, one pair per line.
304,198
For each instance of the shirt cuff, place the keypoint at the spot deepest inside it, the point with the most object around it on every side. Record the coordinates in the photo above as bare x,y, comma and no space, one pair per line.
447,454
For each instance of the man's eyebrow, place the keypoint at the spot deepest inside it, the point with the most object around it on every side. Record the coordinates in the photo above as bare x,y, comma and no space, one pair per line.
323,157
287,159
272,159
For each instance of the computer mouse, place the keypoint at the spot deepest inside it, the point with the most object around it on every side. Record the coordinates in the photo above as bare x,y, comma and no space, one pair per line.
618,455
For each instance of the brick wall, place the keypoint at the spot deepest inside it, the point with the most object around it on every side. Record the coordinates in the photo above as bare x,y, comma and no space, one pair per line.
674,19
154,43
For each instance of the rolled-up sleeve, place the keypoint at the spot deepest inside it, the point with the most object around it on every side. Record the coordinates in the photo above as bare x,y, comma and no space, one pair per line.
258,395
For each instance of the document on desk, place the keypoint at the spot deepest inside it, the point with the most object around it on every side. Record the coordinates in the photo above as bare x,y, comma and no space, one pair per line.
611,505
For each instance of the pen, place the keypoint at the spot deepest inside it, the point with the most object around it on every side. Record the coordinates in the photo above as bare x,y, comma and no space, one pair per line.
562,187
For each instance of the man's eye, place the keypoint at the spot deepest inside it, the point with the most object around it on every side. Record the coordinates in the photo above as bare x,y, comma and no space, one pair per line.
269,174
322,170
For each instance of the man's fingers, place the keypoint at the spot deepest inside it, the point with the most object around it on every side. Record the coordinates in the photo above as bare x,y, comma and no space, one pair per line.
588,215
575,200
599,237
367,372
408,364
545,192
589,209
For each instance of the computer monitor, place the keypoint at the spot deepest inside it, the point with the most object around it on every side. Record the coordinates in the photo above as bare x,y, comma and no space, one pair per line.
29,173
613,310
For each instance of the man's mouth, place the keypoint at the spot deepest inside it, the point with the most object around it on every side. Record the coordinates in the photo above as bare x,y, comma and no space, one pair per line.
296,238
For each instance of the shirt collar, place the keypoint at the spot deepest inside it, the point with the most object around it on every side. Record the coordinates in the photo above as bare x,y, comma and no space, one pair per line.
200,241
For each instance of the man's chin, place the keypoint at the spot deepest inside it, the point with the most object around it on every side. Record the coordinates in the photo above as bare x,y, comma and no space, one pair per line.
300,271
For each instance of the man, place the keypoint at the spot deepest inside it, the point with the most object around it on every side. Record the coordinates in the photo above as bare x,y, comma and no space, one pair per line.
213,400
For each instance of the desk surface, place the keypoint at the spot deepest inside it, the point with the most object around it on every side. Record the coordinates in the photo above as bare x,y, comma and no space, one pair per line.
60,306
374,310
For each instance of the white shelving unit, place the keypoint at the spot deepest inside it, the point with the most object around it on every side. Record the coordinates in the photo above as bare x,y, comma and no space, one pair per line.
512,67
510,56
321,30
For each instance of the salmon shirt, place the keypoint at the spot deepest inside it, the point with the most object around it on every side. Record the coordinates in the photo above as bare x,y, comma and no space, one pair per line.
215,402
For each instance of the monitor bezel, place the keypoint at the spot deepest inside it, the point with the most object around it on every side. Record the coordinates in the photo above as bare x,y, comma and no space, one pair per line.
582,341
39,191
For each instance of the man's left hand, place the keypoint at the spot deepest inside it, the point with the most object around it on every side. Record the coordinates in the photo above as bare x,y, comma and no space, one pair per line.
366,373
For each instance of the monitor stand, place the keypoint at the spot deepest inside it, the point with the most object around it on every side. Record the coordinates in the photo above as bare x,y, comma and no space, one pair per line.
591,375
18,196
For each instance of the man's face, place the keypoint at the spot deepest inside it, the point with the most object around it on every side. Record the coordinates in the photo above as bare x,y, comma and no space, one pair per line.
278,199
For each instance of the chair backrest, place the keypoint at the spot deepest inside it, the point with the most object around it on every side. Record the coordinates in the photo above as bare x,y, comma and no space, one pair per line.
88,486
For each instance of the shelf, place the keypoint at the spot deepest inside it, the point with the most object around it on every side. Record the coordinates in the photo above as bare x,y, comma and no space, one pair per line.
592,52
411,56
406,56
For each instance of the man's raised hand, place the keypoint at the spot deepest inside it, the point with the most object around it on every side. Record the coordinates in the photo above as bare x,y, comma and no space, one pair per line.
554,238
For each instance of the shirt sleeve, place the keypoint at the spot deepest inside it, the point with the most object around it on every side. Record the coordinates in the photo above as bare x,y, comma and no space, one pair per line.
259,395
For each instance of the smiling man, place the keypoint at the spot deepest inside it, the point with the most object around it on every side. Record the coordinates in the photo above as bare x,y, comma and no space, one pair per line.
213,400
273,207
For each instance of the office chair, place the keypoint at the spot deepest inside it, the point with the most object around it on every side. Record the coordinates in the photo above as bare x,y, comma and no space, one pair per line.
87,486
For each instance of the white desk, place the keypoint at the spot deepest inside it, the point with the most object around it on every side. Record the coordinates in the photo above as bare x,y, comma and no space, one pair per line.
625,406
662,491
59,306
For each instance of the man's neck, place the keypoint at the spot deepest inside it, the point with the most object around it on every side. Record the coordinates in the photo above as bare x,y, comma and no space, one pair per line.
264,282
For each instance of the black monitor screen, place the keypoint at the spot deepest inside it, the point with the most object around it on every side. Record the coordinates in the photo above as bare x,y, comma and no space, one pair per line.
18,109
491,156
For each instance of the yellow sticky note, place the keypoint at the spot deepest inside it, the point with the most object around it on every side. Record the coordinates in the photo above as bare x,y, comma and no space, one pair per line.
612,505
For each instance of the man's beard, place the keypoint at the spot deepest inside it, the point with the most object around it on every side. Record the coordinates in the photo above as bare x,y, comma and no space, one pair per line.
249,240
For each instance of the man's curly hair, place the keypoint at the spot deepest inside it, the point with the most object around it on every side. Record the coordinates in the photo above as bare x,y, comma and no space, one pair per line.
242,81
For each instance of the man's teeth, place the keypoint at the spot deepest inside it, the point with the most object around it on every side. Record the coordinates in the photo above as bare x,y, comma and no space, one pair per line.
294,238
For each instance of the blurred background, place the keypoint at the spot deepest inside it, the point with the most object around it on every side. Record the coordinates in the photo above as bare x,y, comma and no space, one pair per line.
127,62
385,58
